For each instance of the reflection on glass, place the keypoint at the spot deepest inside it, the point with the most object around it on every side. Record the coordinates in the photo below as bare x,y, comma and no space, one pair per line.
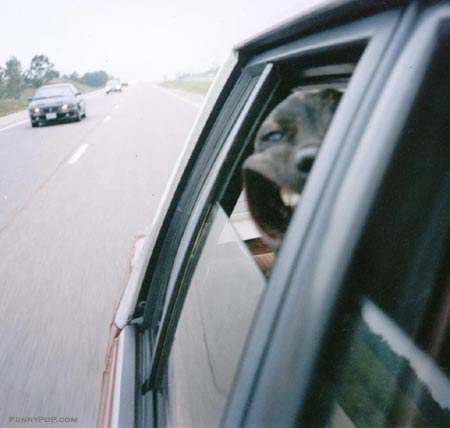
223,295
388,381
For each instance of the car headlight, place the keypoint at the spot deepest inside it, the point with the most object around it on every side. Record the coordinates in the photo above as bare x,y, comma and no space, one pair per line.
65,107
36,110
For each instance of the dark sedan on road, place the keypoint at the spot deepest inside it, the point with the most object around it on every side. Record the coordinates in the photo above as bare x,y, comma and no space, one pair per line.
54,103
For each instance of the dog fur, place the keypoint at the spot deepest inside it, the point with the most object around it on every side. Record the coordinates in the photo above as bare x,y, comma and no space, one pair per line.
285,149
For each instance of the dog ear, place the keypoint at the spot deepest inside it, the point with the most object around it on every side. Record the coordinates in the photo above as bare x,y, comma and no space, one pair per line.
328,101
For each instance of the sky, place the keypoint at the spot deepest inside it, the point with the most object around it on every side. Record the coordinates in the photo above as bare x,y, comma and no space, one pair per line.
136,39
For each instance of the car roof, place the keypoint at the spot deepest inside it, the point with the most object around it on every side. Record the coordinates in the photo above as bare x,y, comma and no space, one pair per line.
314,19
53,85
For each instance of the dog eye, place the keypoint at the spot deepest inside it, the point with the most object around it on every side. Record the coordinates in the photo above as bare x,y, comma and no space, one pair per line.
273,136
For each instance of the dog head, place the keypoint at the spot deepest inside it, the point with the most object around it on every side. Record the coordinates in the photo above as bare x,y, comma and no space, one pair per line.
286,146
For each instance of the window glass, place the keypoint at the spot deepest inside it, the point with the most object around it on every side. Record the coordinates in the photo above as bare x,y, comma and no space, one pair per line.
388,381
223,295
182,221
54,91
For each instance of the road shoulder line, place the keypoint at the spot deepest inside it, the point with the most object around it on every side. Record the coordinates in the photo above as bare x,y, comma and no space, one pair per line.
78,153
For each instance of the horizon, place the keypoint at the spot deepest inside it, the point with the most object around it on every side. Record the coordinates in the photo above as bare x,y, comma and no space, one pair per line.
139,40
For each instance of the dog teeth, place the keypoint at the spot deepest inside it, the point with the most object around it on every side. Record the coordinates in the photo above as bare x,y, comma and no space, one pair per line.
289,198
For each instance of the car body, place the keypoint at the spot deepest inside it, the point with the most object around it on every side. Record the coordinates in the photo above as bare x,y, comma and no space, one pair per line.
113,85
351,326
56,103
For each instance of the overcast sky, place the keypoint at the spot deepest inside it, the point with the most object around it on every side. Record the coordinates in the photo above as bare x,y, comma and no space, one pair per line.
135,39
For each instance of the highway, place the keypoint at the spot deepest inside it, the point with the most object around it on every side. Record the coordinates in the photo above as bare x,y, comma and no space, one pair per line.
74,200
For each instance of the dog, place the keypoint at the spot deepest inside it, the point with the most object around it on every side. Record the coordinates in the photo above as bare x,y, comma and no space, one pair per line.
286,146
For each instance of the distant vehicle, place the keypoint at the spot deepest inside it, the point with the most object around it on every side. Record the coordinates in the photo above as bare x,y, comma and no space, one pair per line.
124,83
113,85
56,103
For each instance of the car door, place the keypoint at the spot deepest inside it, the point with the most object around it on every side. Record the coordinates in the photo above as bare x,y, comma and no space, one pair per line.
359,334
204,284
203,287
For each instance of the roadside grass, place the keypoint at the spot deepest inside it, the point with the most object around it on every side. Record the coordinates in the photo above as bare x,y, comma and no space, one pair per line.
195,86
9,105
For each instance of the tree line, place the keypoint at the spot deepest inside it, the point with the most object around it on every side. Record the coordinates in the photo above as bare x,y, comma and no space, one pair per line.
14,80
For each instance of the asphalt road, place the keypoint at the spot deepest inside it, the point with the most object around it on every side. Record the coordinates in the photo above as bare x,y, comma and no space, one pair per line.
74,199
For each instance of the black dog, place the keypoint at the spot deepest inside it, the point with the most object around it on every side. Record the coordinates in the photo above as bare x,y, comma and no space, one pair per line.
285,148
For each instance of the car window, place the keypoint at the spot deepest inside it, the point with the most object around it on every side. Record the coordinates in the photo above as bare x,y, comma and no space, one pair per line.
229,278
229,265
53,91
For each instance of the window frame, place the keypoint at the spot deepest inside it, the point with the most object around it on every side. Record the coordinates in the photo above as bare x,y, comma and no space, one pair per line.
185,199
189,243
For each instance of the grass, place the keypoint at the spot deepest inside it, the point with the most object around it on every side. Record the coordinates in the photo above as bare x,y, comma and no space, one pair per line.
195,86
8,105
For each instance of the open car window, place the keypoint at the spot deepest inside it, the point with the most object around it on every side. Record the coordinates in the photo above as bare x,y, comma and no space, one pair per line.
227,269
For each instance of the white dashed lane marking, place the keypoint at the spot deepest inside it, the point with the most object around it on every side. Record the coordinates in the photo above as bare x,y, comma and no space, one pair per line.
77,155
107,118
14,125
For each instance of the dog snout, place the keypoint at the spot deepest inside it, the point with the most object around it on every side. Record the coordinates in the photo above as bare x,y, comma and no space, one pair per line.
305,160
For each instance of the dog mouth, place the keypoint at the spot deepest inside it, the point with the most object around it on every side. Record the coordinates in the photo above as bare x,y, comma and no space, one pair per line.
270,205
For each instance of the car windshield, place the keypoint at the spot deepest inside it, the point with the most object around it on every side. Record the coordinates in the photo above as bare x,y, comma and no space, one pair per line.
53,91
112,83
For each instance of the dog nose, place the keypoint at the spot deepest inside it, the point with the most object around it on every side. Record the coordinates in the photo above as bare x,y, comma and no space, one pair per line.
305,160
